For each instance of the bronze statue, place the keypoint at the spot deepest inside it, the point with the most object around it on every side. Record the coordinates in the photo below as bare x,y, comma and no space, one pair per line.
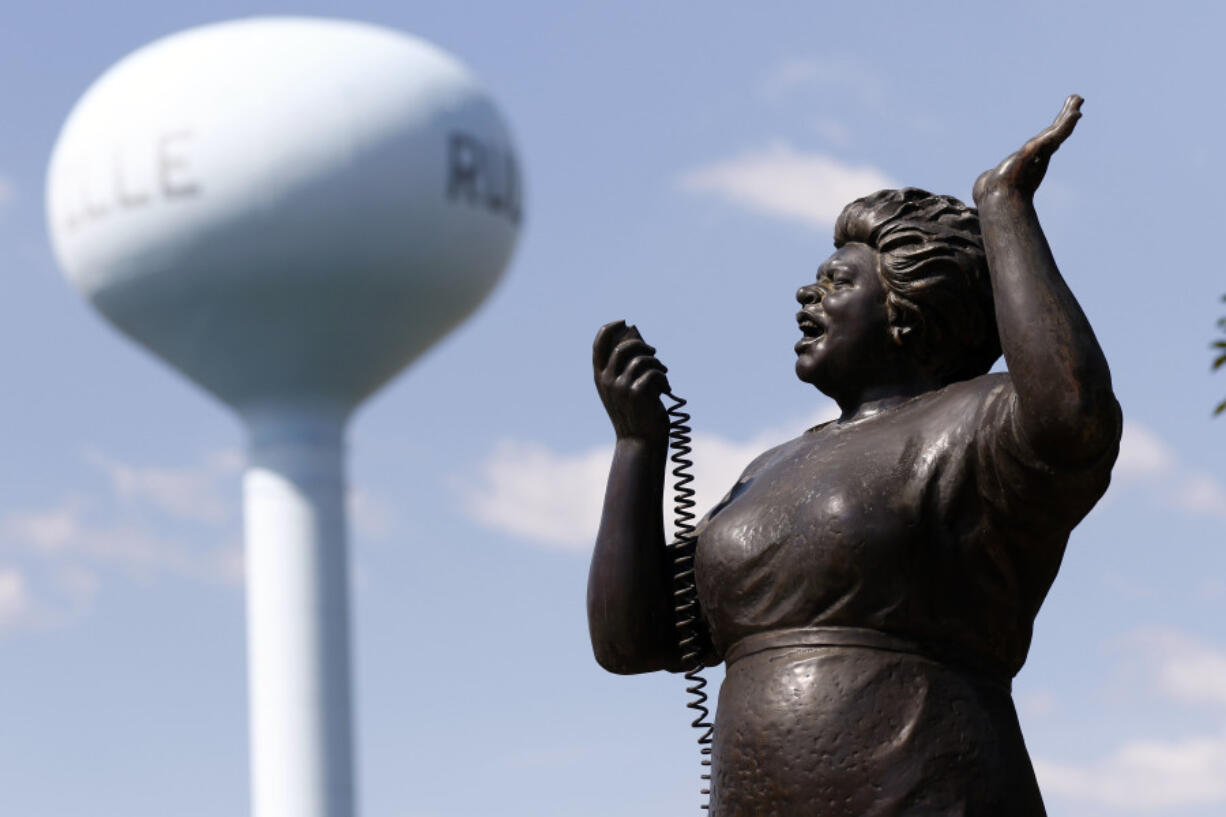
872,584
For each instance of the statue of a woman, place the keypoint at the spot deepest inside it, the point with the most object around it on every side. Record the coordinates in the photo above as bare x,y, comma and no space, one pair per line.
872,584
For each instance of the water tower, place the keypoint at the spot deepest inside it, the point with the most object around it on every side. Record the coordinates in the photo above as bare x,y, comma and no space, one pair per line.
288,211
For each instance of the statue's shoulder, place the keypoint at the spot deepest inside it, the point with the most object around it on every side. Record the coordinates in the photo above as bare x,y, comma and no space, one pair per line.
760,461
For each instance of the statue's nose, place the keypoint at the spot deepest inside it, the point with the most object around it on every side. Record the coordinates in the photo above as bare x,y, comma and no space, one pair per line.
809,295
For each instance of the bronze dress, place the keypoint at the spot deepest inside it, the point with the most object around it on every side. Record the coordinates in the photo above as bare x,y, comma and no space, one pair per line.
872,587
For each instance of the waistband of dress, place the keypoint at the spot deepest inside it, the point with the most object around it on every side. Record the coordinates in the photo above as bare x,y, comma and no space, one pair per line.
862,637
820,637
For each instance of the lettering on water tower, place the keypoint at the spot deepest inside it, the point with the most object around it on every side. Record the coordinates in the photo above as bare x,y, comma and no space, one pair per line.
130,180
482,175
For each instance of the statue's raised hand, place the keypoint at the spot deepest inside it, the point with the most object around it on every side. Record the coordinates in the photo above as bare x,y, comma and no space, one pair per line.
1021,172
630,381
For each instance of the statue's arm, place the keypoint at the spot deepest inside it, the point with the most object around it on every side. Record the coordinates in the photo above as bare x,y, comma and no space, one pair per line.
629,586
1068,412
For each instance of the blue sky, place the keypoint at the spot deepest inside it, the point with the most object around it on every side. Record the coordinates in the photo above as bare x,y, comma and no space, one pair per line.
682,164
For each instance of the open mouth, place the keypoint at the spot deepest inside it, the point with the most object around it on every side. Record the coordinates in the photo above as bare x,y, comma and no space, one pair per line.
810,328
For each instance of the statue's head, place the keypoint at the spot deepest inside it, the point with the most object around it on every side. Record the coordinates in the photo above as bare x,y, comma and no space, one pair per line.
933,292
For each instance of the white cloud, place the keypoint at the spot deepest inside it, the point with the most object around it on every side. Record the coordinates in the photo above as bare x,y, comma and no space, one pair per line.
1145,774
24,605
76,534
554,499
789,73
1142,453
833,131
208,492
1198,492
1145,458
1039,703
48,529
1185,669
532,492
195,493
15,604
147,521
28,605
370,515
8,192
783,182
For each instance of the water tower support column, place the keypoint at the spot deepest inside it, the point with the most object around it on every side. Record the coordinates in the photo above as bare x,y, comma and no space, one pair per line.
297,617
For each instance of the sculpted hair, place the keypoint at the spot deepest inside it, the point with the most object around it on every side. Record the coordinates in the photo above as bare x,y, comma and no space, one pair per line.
935,273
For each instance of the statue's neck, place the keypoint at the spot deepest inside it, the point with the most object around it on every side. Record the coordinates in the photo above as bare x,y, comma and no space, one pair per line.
876,399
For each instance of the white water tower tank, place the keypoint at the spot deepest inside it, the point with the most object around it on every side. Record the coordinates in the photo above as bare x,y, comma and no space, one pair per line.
288,211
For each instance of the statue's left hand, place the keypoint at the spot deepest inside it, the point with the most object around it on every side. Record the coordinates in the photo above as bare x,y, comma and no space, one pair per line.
1022,172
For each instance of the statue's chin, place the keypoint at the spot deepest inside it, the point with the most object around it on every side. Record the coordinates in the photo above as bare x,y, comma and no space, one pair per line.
803,370
808,371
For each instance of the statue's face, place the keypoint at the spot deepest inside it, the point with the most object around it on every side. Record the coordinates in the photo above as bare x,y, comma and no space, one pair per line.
846,344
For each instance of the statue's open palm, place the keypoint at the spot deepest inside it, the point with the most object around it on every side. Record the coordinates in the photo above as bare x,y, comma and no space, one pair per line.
1023,171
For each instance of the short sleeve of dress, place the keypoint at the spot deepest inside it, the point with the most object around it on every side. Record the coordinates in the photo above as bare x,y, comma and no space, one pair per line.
1021,490
1005,516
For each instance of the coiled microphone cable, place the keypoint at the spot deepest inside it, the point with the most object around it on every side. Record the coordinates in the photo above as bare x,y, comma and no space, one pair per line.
685,591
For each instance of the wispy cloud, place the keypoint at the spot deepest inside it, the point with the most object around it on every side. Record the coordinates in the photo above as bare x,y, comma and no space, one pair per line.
193,493
1143,454
783,182
1185,669
45,530
1199,492
370,515
793,74
532,492
554,498
145,521
8,192
1039,703
79,533
56,596
1147,775
15,604
1148,460
834,131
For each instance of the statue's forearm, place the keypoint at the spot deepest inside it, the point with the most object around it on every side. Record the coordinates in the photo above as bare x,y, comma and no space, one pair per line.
629,617
1058,369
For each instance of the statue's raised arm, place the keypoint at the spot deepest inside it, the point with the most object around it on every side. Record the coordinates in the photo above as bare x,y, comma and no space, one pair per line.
1067,409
